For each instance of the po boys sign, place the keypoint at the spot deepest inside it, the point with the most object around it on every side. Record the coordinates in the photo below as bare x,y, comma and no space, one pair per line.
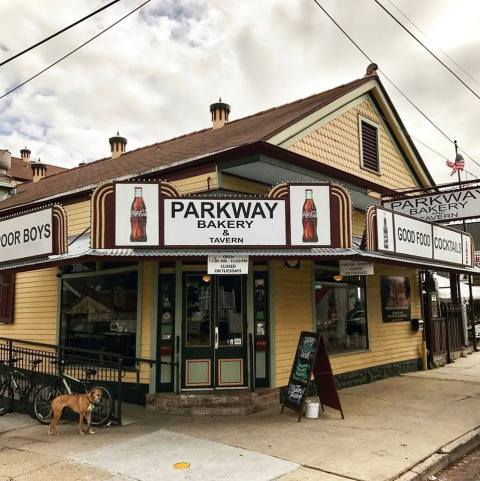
442,207
34,234
154,214
391,232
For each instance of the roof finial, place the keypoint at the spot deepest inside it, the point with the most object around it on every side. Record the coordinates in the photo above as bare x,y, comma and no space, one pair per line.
371,70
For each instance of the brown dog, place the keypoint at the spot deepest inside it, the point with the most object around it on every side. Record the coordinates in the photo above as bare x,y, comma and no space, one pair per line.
83,404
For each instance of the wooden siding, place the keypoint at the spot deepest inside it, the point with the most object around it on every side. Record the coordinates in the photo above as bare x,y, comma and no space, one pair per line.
292,305
78,215
388,342
293,311
358,223
197,183
238,184
337,143
148,317
36,307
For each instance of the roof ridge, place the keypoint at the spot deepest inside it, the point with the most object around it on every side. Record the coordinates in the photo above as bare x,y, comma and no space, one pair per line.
293,102
172,139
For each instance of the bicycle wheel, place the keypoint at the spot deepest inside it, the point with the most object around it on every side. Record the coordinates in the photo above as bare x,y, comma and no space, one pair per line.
43,400
6,395
102,412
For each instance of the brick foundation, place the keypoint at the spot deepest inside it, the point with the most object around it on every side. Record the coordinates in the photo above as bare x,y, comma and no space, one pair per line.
221,403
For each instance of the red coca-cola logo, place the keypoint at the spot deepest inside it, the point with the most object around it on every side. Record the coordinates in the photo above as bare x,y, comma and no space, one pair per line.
138,213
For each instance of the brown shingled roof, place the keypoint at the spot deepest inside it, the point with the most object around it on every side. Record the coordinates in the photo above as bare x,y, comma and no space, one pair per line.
21,170
259,126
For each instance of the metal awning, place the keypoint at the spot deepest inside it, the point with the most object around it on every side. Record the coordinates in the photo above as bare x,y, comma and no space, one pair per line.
79,249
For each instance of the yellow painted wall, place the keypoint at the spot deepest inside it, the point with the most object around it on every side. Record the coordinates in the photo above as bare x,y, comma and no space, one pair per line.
292,305
197,183
36,307
389,342
237,184
78,215
358,222
337,143
148,293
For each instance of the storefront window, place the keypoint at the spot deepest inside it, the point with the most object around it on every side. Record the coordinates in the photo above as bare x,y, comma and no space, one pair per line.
99,312
340,311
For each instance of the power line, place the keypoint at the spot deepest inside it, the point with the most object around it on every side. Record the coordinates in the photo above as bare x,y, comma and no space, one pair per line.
73,51
427,49
436,46
57,33
404,95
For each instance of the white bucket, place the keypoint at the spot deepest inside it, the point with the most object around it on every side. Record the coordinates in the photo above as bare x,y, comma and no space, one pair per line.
311,409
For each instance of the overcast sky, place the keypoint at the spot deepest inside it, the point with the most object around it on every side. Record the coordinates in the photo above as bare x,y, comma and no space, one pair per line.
153,76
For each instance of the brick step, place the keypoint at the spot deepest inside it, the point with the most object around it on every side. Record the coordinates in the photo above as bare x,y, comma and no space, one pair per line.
226,403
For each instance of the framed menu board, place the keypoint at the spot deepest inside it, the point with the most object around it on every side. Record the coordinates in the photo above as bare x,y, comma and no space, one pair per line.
311,358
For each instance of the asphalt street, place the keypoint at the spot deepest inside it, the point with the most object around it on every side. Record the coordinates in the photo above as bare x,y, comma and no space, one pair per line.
466,469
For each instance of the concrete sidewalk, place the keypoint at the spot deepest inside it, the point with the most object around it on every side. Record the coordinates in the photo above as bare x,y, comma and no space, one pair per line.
389,427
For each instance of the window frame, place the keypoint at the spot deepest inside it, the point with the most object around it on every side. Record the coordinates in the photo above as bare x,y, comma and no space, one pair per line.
99,272
363,119
363,281
8,288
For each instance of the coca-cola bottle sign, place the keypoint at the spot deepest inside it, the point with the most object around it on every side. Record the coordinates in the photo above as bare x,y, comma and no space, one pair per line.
310,215
137,214
138,217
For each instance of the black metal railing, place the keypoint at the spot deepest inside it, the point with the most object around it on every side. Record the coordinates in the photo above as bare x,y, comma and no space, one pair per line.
112,370
448,331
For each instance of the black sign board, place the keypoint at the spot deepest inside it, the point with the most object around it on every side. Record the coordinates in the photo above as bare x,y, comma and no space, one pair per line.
311,357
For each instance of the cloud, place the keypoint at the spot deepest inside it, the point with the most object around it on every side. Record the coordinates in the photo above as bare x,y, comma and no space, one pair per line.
154,75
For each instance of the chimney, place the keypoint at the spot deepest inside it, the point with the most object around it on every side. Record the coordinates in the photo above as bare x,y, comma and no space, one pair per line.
220,111
39,170
371,70
25,154
117,145
5,161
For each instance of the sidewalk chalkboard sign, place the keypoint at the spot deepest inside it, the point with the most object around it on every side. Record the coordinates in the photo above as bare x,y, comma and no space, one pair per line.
311,357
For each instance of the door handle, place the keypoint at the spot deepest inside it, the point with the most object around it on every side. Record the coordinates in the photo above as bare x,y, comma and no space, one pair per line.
216,337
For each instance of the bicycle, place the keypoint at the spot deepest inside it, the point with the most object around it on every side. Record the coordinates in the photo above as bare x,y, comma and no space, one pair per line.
16,384
102,412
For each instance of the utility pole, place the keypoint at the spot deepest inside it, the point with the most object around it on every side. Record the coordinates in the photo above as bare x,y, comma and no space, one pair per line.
459,157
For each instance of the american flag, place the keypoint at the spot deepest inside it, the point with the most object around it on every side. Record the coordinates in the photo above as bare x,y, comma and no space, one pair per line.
456,166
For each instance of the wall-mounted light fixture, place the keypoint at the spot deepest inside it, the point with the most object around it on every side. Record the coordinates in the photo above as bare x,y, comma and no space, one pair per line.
337,277
292,263
206,278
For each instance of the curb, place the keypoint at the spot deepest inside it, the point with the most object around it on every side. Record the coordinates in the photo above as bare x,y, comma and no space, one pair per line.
445,456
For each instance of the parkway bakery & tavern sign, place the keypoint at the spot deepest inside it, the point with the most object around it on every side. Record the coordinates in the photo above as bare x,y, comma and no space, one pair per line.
463,203
148,214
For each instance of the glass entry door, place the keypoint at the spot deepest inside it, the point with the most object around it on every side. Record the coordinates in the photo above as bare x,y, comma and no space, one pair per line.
214,332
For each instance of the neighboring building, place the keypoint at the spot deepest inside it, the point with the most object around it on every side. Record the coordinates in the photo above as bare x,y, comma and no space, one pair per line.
15,171
160,303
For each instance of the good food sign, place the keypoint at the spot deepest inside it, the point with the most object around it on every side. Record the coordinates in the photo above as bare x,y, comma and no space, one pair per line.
28,235
405,235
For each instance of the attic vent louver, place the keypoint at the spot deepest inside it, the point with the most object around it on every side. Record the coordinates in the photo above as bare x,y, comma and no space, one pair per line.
369,146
